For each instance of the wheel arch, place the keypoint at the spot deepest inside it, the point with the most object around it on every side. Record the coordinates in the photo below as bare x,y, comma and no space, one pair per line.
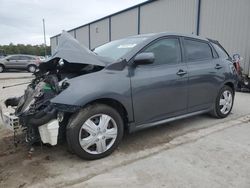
2,65
231,85
117,105
31,65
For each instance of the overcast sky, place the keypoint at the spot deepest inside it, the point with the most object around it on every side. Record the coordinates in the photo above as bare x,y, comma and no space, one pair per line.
21,20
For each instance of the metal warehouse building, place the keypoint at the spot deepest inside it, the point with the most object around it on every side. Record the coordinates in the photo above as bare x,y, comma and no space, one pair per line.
227,21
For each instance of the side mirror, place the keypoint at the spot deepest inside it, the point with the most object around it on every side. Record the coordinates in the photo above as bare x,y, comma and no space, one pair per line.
144,58
8,59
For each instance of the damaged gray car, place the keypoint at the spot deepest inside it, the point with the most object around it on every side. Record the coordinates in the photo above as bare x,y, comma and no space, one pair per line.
90,98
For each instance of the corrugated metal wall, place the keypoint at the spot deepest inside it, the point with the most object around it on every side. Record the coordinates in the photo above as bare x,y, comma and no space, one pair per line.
99,33
225,20
168,15
53,44
228,21
124,24
72,33
156,16
82,35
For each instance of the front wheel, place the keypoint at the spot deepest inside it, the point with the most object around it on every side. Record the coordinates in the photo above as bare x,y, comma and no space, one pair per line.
95,131
1,68
32,68
224,102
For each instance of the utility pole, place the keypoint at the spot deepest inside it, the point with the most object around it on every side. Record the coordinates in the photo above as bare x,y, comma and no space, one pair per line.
44,36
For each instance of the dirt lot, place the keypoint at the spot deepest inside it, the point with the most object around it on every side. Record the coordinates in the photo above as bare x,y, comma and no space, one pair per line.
55,167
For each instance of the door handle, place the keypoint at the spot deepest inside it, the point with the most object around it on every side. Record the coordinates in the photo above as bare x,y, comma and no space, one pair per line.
218,66
181,72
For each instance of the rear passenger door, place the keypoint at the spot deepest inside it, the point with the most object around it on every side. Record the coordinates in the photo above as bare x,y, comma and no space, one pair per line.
202,81
24,61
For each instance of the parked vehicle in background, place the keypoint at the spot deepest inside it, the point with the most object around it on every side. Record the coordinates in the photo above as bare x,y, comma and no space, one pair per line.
20,61
42,58
91,98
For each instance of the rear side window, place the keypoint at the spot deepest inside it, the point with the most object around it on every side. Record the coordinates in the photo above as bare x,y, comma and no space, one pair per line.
220,51
166,51
197,50
23,58
28,58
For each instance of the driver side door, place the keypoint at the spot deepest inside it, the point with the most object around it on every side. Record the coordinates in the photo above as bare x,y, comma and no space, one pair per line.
12,61
159,90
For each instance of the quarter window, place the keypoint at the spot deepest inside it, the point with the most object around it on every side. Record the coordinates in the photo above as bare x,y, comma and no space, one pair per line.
166,51
196,50
220,51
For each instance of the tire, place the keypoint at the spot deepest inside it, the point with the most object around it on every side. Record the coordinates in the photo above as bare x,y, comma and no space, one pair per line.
223,105
88,134
32,68
1,68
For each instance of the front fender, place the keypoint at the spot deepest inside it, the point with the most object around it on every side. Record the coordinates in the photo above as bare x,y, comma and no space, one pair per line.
103,84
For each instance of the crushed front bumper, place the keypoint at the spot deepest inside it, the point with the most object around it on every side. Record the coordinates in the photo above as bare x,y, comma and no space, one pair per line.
48,132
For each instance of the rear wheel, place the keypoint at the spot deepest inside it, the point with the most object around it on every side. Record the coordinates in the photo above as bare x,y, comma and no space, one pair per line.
224,102
1,68
95,132
32,68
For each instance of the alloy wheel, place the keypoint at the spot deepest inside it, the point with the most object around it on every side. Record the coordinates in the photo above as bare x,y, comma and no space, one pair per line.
32,69
226,102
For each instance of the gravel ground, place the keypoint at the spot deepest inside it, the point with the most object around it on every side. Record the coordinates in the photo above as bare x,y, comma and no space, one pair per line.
55,167
12,91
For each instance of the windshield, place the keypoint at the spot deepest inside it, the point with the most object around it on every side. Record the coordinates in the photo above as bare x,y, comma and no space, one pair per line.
118,48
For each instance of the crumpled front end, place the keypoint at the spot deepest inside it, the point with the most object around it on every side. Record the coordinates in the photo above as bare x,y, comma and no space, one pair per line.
33,112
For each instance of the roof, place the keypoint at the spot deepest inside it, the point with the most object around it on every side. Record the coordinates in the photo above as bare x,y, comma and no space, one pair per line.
169,33
127,9
22,55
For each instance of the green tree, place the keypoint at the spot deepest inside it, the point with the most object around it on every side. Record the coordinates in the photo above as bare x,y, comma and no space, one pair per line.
25,49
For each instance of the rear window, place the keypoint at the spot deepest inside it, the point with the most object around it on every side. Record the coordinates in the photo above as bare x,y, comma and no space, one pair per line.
197,50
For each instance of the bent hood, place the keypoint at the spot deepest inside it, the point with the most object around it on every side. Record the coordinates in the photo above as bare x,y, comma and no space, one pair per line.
72,51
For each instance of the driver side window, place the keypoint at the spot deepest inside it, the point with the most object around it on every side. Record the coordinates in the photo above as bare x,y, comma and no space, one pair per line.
166,51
